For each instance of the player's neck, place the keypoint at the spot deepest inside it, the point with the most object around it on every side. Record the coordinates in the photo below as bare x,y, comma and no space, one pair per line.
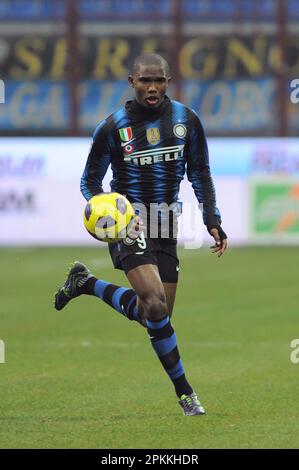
149,111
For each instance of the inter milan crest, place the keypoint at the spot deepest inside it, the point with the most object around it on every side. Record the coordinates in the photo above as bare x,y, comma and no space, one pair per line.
125,133
153,135
179,130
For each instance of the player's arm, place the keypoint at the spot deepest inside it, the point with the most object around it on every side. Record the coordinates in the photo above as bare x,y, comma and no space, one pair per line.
98,161
198,172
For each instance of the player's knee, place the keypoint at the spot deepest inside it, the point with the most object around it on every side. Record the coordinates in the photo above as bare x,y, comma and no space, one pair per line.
155,306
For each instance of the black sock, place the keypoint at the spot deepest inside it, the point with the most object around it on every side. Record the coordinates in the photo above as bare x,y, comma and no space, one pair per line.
163,339
122,299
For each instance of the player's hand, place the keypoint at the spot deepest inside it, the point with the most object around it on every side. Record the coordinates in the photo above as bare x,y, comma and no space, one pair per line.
220,241
136,228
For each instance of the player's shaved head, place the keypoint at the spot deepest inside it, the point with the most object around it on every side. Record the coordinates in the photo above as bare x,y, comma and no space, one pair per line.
150,80
150,59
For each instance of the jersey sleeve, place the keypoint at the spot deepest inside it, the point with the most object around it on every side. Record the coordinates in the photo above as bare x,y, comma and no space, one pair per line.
98,161
198,172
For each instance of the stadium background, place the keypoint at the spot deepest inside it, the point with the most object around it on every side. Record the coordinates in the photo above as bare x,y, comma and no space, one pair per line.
64,65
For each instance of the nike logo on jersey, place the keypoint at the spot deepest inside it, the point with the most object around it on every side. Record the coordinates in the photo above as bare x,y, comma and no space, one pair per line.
139,253
162,154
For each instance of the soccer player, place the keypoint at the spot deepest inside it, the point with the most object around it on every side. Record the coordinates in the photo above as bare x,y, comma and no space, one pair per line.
148,144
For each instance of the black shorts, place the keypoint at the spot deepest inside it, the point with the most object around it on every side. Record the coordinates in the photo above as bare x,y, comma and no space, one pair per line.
161,252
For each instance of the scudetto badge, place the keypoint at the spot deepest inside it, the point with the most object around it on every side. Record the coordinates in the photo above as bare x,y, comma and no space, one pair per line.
125,133
179,130
153,135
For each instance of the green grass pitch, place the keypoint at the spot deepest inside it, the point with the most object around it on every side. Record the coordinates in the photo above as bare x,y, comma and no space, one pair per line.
87,378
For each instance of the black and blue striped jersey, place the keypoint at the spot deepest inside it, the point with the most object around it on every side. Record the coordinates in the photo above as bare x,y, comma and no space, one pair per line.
149,152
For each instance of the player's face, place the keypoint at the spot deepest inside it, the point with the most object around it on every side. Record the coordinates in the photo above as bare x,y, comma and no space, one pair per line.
150,83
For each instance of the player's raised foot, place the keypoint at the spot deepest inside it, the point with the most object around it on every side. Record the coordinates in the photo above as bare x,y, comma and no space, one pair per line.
76,278
191,405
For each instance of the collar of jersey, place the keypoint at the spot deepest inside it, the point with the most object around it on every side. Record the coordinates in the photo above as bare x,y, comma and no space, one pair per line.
137,111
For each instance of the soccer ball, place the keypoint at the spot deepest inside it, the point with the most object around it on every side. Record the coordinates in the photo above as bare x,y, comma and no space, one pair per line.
108,217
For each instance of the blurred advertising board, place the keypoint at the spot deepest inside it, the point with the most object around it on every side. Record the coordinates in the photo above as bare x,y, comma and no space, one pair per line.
224,105
230,80
35,105
256,182
274,214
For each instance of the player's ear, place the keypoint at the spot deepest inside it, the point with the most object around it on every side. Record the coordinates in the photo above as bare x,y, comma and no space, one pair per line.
168,80
131,80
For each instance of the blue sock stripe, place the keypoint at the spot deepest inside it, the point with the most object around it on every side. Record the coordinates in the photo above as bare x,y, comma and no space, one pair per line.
165,346
156,325
116,298
176,371
99,288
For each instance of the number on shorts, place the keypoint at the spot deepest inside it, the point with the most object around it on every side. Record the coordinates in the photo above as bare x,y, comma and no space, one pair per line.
141,241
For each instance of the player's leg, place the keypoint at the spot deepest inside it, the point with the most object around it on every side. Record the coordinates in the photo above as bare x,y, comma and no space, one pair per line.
81,281
170,293
146,282
124,300
170,289
168,265
164,254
